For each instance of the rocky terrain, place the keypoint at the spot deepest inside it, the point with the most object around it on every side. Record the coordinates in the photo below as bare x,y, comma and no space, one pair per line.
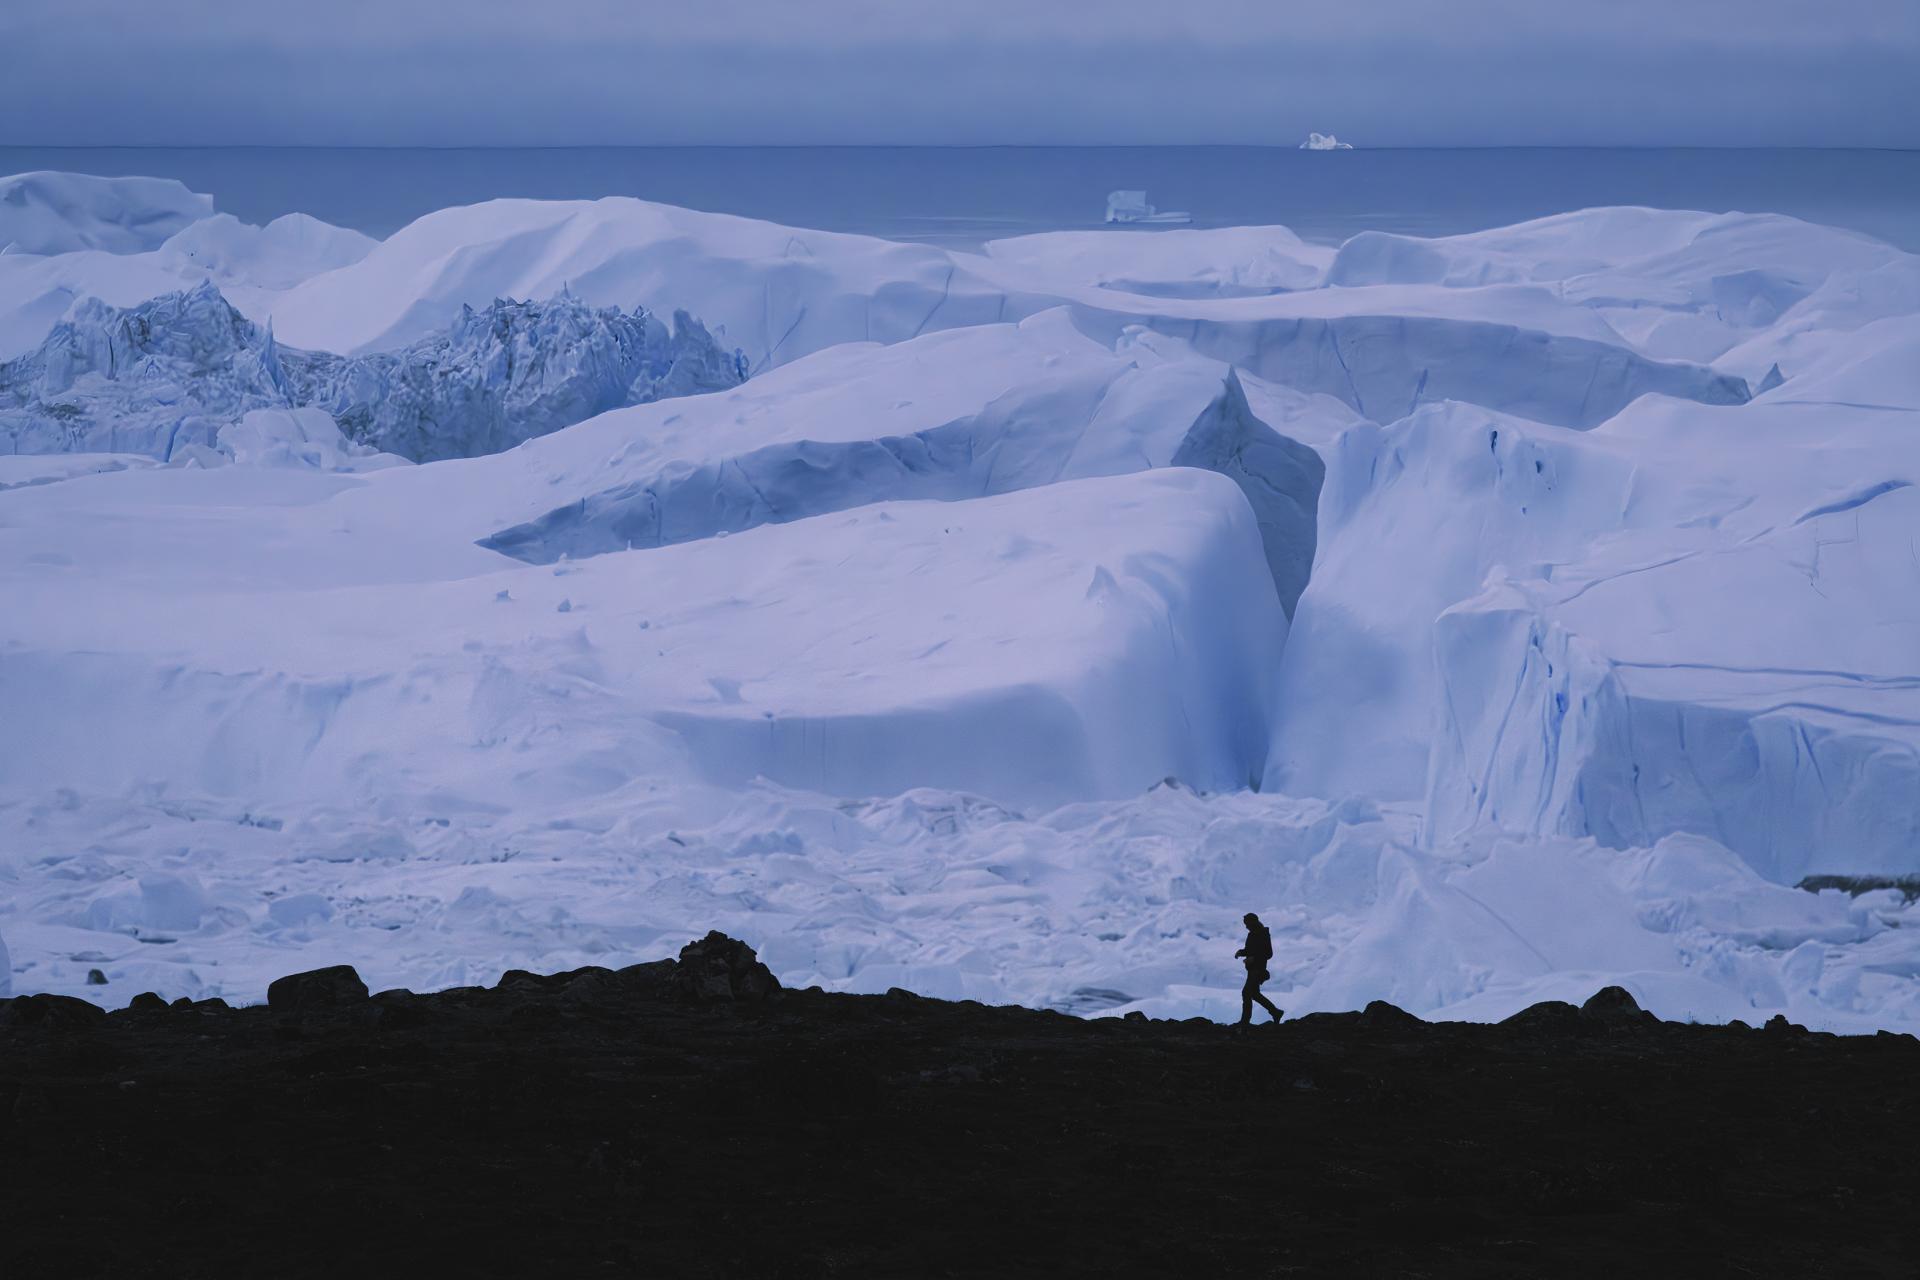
692,1118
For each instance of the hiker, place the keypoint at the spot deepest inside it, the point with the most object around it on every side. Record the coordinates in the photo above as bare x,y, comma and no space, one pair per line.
1258,951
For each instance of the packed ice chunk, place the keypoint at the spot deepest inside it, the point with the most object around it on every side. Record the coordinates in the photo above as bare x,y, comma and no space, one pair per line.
164,902
173,374
1762,693
1484,927
509,373
306,438
1223,262
720,467
777,293
21,470
279,255
1387,353
1280,477
1412,517
299,909
149,379
1044,671
1672,284
49,213
1083,639
1324,142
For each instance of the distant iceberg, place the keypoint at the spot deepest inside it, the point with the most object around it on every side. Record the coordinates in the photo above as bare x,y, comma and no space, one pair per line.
1324,142
1132,206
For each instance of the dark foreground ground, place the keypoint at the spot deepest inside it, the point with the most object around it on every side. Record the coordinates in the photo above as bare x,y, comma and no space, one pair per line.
667,1121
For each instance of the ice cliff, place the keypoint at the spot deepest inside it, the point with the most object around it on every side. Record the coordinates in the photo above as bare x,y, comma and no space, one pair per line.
171,373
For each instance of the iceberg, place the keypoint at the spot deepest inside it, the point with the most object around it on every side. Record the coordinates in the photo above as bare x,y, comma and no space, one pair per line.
53,213
1132,206
1324,142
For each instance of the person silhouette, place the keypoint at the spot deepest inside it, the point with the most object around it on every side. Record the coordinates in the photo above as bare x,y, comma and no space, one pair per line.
1258,951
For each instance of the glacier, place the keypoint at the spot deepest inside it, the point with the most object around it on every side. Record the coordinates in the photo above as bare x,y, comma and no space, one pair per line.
1501,615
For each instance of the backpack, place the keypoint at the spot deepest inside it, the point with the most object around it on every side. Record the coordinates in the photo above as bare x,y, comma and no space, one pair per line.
1259,949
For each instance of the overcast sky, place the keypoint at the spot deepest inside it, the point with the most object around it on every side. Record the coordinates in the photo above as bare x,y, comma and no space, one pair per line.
550,72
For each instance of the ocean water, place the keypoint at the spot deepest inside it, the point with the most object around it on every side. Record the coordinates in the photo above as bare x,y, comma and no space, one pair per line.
962,196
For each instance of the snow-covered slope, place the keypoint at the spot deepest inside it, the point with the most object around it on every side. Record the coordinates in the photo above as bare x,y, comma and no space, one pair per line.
1553,585
48,213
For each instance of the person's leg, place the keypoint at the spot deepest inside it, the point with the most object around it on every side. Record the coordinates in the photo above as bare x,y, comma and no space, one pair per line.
1265,1004
1247,994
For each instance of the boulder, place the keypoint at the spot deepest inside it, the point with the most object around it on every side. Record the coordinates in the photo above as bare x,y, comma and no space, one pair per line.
719,968
330,988
147,1001
399,1009
1548,1015
1379,1015
1615,1004
652,980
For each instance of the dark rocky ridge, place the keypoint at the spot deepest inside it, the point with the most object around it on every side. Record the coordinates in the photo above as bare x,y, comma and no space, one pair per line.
691,1118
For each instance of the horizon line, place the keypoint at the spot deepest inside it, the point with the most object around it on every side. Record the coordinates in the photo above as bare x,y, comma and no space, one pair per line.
919,146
